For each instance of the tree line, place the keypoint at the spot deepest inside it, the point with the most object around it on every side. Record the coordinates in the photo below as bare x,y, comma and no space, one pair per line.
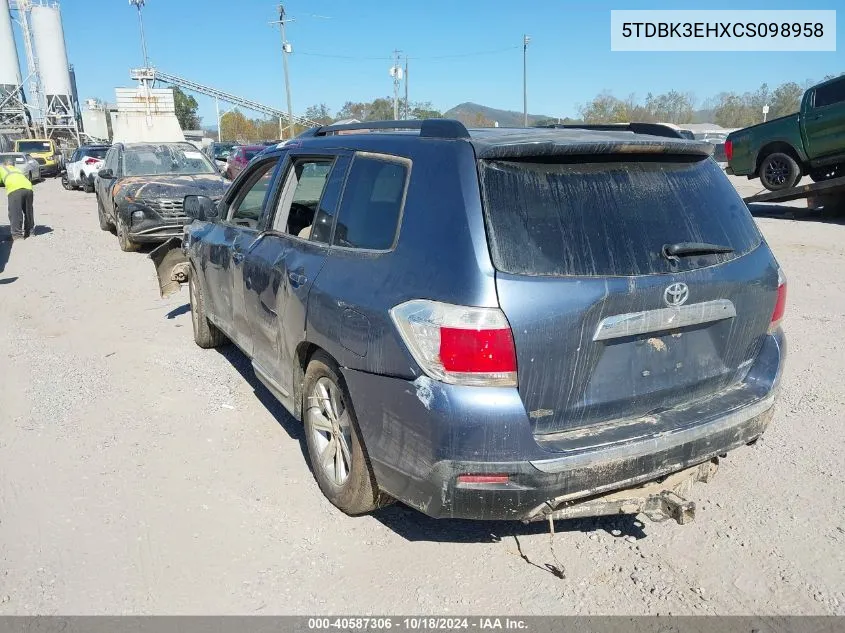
727,109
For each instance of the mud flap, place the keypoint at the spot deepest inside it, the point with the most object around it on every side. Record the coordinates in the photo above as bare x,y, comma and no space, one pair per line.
171,264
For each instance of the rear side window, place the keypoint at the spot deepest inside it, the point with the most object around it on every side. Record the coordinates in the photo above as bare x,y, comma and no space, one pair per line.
829,94
372,203
609,217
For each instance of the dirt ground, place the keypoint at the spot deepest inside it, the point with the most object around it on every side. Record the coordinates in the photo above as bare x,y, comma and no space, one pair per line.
140,474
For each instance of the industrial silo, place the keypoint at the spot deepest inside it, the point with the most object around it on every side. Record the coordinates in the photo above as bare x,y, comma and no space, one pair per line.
10,70
49,41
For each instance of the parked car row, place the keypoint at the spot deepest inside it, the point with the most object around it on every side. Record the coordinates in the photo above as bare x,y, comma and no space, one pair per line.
512,350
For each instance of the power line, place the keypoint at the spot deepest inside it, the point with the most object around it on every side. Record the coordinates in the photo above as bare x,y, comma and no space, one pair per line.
424,57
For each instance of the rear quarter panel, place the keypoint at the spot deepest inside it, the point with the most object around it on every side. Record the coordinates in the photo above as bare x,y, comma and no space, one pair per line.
441,254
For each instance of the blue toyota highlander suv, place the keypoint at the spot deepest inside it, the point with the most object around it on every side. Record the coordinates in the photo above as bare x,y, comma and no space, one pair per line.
494,324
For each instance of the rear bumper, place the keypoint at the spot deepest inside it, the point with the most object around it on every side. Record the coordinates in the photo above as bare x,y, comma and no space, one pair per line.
421,435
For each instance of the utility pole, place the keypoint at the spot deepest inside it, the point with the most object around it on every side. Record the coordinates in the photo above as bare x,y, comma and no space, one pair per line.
286,50
525,40
407,105
219,131
396,73
139,4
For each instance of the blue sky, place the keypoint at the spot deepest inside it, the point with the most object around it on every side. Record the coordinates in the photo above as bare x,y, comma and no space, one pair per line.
342,51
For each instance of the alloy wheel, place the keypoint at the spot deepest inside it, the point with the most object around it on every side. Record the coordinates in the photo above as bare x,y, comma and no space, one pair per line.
331,430
777,171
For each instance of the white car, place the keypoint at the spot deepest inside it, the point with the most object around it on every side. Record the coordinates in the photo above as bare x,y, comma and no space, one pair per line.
83,167
26,163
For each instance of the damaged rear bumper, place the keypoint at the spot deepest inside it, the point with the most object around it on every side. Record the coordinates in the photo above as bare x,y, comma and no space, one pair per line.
421,435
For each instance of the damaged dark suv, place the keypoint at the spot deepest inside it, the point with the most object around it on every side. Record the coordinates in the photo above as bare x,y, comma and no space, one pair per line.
141,187
495,324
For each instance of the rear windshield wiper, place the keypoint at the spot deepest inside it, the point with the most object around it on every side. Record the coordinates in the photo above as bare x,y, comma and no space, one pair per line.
685,249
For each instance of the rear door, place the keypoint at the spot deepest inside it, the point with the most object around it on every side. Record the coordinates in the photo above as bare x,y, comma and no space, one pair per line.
224,247
605,326
280,268
824,122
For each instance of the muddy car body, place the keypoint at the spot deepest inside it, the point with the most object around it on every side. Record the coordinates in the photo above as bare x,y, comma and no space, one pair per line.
141,188
500,324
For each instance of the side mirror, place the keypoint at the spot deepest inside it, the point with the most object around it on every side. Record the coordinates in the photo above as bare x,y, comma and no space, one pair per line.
200,208
105,173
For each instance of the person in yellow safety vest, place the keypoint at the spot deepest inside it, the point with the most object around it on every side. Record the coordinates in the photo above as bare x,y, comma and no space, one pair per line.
19,194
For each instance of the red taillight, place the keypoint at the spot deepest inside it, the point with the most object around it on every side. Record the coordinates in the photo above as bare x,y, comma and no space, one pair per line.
461,345
477,351
780,303
729,149
91,161
483,479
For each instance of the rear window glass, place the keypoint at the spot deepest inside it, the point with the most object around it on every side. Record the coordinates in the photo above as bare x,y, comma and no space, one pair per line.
249,154
371,204
95,152
610,217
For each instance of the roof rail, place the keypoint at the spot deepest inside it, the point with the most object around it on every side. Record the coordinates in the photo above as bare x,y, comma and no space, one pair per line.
429,128
655,129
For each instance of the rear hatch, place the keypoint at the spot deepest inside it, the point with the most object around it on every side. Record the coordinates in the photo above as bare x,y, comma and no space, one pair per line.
606,326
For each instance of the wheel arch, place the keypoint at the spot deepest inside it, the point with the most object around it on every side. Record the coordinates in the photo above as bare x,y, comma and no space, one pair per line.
304,353
782,147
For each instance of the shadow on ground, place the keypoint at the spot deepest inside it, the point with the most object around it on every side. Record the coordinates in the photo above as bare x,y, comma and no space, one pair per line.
175,312
784,212
244,367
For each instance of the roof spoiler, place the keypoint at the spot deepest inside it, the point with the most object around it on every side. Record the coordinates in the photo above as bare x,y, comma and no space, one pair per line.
429,128
654,129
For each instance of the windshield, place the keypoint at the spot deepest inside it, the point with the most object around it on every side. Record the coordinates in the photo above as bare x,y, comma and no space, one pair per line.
148,160
34,146
14,158
606,216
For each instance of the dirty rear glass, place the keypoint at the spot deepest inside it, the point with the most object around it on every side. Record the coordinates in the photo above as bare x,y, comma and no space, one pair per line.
603,216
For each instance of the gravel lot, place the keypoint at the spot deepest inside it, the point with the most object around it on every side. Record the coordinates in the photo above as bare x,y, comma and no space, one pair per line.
141,474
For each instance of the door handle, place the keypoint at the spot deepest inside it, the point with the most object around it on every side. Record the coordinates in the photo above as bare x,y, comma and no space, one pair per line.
815,117
237,257
296,279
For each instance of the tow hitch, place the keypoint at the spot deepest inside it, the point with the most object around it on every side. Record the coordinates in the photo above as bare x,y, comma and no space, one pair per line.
659,500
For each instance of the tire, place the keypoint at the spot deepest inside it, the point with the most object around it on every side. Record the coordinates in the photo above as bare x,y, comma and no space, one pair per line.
779,171
105,223
335,449
821,174
126,244
206,334
87,184
66,183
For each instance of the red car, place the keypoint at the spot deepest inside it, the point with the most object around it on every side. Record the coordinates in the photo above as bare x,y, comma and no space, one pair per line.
239,158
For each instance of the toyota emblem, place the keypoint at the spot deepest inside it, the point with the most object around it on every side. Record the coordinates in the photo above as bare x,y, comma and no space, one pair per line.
676,295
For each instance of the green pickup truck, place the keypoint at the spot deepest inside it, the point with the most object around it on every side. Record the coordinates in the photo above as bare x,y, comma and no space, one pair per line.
809,142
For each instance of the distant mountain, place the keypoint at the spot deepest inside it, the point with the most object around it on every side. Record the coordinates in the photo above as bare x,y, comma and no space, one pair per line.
476,114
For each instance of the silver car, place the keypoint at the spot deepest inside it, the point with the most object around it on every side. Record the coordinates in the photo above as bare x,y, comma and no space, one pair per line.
26,163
